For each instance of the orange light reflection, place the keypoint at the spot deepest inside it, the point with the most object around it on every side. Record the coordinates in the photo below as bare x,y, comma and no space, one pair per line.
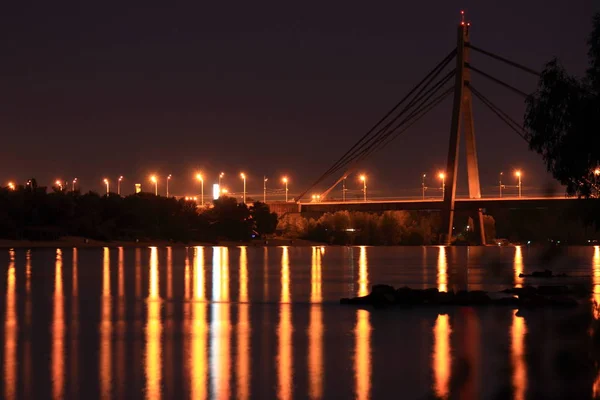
105,329
199,332
517,350
153,362
363,273
518,266
442,272
10,331
442,362
362,355
243,332
220,358
285,364
58,331
315,329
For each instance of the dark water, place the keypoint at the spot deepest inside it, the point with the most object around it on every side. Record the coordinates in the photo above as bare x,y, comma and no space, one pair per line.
265,323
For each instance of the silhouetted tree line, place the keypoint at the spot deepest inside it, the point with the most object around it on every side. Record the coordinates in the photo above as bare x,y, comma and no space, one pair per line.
360,228
31,213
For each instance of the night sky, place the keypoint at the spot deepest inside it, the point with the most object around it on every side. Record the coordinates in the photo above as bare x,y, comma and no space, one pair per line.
268,88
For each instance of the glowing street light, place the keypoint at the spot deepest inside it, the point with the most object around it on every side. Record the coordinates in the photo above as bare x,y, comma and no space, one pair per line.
316,198
363,178
285,180
243,176
518,175
73,184
11,185
442,176
168,179
221,175
59,184
119,185
155,181
106,183
344,190
423,185
265,179
500,185
201,179
224,191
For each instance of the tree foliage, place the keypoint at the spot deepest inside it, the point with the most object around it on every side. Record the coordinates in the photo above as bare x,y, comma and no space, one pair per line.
31,213
562,120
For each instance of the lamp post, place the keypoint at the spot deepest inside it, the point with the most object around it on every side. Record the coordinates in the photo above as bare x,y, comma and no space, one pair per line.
243,176
265,179
73,184
285,180
423,186
59,184
500,186
221,175
201,179
106,183
11,185
119,185
344,189
363,178
155,181
168,179
518,175
443,178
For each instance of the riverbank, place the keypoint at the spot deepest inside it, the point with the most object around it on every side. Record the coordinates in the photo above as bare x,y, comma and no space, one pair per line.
80,242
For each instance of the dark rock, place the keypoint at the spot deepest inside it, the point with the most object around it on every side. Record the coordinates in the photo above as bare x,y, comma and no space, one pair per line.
507,301
542,274
445,298
553,290
382,289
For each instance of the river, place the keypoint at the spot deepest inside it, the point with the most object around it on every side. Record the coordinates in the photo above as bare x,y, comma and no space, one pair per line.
254,322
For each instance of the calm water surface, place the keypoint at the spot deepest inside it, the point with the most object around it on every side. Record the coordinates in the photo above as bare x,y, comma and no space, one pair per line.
253,322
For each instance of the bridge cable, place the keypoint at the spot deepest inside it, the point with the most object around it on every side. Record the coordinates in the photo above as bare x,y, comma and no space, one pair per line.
357,147
415,116
496,80
505,60
385,133
434,72
512,124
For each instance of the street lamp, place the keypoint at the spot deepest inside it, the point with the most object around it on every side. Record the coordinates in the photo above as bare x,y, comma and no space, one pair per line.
500,185
11,185
285,180
73,184
243,176
443,178
168,179
119,185
59,184
221,175
155,181
316,198
265,179
518,175
423,186
106,183
344,189
201,179
596,173
363,178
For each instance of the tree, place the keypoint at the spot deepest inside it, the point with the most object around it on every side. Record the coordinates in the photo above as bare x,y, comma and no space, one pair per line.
265,221
562,120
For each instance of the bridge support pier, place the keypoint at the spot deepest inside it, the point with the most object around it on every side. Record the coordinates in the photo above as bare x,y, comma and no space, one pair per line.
462,115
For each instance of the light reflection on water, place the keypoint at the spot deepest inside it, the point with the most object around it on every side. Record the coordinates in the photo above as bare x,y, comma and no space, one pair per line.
246,322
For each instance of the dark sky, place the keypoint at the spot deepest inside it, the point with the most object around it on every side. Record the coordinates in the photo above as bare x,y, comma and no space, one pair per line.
271,88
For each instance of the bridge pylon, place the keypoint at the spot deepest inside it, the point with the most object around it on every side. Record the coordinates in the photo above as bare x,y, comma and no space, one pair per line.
462,119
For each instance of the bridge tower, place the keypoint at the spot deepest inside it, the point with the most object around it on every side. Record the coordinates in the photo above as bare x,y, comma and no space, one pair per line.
462,119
